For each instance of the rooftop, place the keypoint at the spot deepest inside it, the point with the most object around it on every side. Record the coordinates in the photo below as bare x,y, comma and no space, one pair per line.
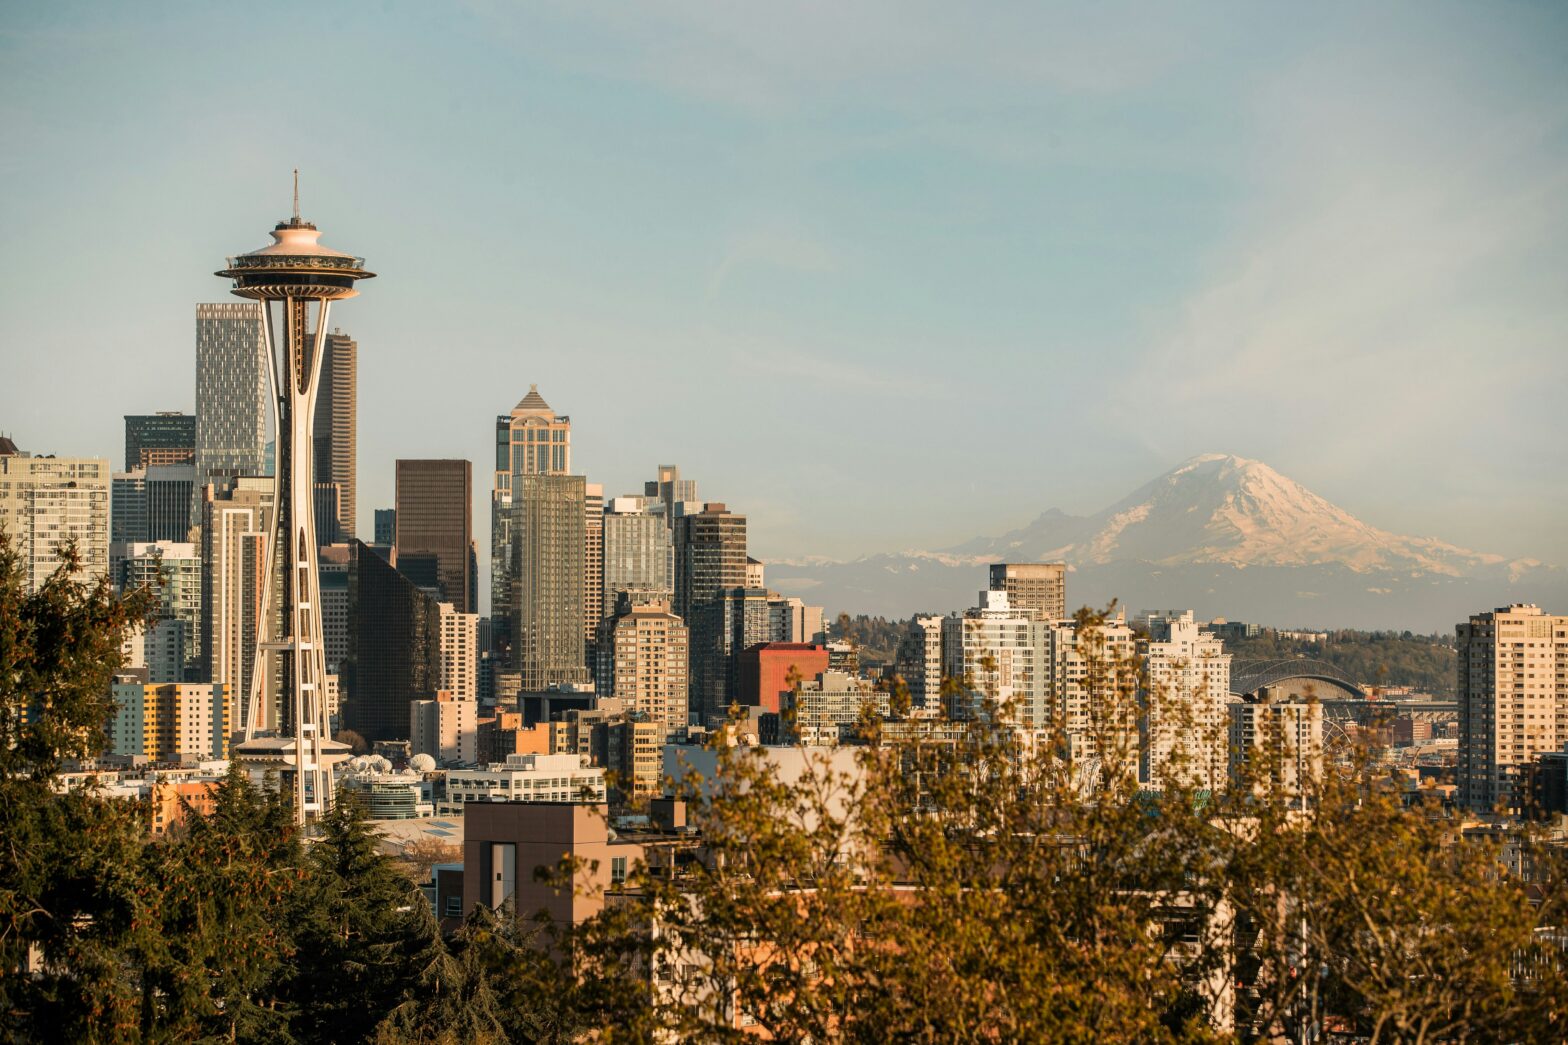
533,403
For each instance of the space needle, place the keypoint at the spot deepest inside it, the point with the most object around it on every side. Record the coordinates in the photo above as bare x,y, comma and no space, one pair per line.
303,277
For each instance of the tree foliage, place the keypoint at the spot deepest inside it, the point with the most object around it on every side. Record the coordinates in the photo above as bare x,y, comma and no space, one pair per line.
945,881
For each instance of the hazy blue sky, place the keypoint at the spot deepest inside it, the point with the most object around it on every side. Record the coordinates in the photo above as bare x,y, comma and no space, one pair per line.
881,275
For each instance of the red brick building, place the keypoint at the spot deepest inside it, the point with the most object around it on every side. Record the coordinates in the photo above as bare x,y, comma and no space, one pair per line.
765,670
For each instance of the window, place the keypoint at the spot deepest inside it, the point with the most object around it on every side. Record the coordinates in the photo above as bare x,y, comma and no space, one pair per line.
454,907
617,870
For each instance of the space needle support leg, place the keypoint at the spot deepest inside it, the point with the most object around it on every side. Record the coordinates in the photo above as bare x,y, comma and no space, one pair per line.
261,658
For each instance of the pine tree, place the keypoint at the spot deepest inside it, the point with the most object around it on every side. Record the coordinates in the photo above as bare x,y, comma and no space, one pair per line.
71,898
217,965
358,929
447,996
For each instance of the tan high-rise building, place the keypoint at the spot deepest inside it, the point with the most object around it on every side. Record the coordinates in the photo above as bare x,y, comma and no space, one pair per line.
650,663
1513,699
235,523
531,440
593,559
459,652
1033,587
435,518
546,577
46,502
335,431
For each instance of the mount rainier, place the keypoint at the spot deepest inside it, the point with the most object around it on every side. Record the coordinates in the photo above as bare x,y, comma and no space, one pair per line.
1222,535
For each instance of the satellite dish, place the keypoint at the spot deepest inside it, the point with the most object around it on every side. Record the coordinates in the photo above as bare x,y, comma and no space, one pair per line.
421,763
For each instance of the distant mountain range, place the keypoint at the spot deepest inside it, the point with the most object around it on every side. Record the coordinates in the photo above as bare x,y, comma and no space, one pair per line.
1221,535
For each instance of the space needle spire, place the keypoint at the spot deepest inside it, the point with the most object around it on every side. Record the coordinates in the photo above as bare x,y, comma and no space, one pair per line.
295,280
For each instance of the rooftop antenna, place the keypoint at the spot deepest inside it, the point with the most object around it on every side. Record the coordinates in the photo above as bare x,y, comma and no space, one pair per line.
296,195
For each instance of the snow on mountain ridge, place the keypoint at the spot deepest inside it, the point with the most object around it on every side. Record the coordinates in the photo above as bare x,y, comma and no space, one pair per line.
1218,508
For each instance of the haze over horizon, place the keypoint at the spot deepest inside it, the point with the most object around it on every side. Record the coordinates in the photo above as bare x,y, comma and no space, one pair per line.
880,278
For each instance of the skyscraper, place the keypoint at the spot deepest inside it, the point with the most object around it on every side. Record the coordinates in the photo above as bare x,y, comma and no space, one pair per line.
236,518
396,647
1037,587
386,526
167,437
1513,699
172,572
710,556
435,517
46,502
231,395
170,488
459,652
649,661
128,506
722,628
546,574
335,429
593,559
532,440
153,503
638,552
669,489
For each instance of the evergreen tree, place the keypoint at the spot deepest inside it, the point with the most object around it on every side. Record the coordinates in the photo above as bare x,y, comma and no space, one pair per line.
448,998
224,883
71,898
358,940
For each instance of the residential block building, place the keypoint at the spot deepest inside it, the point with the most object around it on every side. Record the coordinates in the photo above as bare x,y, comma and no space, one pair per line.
170,721
1034,587
1513,700
48,502
1184,717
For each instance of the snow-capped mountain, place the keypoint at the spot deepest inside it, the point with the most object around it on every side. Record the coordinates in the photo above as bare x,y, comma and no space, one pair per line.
1222,509
1223,535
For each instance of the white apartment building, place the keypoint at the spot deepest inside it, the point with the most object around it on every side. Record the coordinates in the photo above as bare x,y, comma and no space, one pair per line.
650,655
459,652
446,728
1282,738
1513,699
1092,690
1184,717
527,778
832,699
998,653
923,674
45,502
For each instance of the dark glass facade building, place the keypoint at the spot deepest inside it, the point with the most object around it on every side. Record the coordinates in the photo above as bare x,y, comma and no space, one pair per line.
435,516
394,647
155,439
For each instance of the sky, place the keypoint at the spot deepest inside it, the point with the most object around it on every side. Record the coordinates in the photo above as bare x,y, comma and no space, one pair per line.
880,275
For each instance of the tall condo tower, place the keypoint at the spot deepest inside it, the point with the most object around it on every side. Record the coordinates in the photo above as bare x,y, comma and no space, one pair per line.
287,278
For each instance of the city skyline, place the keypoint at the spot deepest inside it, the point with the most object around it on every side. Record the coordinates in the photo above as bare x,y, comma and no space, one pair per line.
1226,239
